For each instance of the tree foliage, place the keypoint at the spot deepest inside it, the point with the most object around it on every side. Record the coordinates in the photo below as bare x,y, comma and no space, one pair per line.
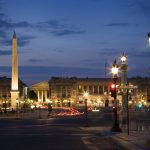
32,95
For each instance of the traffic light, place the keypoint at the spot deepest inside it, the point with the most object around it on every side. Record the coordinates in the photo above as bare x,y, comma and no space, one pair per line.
113,90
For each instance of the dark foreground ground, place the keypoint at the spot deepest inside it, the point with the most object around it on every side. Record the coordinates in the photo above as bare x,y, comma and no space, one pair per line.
61,133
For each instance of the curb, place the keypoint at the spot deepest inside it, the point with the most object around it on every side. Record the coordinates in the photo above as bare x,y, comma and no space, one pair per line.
11,118
124,143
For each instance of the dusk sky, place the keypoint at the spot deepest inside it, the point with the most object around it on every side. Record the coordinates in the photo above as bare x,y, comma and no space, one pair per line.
74,37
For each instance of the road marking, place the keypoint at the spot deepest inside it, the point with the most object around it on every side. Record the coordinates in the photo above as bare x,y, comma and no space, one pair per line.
88,144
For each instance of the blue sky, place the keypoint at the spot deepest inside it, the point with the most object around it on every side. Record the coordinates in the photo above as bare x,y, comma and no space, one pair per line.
74,37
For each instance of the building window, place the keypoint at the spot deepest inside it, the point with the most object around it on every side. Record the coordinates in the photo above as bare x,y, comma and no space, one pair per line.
80,89
85,88
100,89
63,92
90,90
95,89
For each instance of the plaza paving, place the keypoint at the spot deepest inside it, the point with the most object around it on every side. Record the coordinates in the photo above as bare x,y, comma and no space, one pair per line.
136,140
98,131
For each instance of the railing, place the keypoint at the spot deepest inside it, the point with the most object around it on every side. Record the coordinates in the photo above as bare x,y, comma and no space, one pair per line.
138,121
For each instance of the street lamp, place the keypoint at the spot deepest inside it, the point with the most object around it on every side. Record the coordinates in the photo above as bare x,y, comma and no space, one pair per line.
148,35
123,58
115,70
5,104
17,111
86,109
49,108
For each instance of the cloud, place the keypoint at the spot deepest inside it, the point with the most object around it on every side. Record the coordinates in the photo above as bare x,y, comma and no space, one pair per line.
6,23
123,24
51,24
6,52
103,42
94,0
2,15
109,51
132,52
58,50
142,7
58,28
22,24
135,53
3,34
23,40
92,62
33,60
67,32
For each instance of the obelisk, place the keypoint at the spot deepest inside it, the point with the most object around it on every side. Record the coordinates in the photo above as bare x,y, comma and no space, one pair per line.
14,78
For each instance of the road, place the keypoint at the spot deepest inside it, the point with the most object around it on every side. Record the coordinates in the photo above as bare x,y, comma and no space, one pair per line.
49,134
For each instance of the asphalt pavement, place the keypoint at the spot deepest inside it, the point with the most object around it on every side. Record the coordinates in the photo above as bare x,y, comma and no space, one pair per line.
61,133
36,131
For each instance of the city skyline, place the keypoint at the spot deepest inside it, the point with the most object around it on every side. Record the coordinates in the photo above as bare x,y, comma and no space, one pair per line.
74,38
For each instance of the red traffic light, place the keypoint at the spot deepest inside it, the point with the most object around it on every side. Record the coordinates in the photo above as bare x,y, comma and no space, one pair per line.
112,86
113,90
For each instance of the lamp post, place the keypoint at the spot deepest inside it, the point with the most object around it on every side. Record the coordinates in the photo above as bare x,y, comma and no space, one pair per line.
124,69
49,108
127,110
39,112
5,104
115,69
86,109
148,35
17,111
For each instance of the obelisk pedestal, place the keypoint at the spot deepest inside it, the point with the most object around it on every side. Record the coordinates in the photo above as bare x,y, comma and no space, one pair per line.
14,98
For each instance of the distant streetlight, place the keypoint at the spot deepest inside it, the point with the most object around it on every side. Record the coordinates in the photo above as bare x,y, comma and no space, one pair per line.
115,70
86,109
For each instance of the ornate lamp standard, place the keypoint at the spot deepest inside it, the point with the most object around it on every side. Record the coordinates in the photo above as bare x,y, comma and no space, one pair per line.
115,69
86,109
124,69
148,35
49,107
17,108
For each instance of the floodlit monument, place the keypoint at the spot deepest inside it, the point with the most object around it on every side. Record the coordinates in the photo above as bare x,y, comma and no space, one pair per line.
14,82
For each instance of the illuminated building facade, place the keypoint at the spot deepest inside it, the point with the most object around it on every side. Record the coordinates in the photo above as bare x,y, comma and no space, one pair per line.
42,91
5,88
70,91
65,91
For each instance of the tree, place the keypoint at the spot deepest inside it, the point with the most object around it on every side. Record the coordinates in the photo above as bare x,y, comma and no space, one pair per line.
32,95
